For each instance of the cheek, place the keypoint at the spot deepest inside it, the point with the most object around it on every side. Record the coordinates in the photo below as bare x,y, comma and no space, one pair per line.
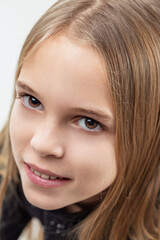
19,130
95,163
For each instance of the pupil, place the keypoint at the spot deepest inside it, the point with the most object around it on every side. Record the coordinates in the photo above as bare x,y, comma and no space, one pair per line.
33,101
90,123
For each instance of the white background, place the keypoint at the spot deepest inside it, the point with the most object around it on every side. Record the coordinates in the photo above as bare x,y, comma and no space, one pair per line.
16,20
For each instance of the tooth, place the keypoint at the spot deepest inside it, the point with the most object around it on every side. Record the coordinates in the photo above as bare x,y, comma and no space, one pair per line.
44,176
53,178
37,173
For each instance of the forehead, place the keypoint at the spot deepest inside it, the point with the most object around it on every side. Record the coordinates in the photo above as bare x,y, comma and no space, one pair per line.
61,62
63,44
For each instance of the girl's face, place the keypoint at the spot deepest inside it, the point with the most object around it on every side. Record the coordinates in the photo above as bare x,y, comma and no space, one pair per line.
62,125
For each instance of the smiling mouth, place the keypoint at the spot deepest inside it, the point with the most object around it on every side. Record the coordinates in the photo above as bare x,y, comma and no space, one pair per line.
45,176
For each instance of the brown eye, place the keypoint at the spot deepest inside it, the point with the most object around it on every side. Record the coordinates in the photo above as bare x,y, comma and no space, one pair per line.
32,102
90,123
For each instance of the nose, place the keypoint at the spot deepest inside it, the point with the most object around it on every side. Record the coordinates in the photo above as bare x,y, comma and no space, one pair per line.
47,141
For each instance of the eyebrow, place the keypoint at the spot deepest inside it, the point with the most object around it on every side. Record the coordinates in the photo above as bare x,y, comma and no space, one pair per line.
101,115
96,112
20,84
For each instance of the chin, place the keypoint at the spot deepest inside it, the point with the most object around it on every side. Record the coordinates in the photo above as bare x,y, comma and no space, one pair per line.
42,202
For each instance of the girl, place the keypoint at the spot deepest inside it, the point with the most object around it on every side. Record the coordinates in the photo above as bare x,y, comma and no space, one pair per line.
80,151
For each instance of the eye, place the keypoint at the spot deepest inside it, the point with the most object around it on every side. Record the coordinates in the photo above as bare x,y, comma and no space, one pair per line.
31,102
89,124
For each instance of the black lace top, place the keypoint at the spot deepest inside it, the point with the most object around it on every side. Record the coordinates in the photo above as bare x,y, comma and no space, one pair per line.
17,212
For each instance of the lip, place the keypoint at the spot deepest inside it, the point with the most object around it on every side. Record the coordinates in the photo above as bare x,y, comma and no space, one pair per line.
47,183
44,171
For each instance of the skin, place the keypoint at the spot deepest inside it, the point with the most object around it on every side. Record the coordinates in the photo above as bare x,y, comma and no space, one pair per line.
53,133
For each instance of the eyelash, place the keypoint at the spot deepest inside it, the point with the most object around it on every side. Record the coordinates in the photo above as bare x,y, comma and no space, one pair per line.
90,130
21,96
100,126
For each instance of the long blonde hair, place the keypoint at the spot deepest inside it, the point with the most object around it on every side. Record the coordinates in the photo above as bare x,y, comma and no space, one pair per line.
127,34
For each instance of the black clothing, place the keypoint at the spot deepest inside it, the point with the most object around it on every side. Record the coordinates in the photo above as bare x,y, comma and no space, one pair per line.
17,212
